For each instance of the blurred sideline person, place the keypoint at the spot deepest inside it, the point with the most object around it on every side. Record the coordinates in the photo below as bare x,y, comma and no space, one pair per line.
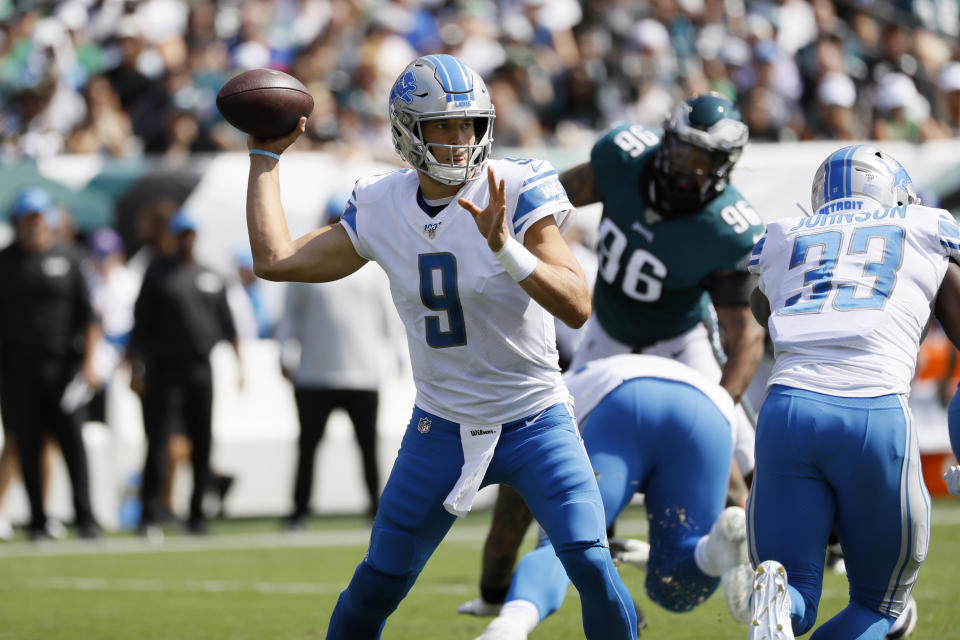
336,339
10,468
47,333
658,427
846,294
113,292
246,298
477,266
662,194
180,315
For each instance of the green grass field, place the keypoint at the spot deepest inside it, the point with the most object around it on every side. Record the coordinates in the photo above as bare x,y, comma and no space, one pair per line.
247,580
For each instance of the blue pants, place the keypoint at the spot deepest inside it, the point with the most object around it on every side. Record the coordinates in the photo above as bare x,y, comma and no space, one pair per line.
851,462
669,441
544,460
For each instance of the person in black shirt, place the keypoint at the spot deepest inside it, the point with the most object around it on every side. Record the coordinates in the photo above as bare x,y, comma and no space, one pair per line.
47,331
180,314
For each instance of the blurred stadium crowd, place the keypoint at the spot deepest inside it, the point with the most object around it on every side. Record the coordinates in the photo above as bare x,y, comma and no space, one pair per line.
127,78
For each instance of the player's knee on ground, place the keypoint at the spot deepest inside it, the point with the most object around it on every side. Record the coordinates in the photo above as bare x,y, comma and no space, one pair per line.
680,591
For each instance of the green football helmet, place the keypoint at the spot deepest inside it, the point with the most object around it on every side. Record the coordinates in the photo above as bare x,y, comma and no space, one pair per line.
703,138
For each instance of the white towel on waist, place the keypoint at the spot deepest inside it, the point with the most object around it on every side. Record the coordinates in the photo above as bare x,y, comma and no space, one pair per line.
478,442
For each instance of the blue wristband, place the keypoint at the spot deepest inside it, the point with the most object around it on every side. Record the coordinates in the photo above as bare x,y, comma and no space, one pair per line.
261,152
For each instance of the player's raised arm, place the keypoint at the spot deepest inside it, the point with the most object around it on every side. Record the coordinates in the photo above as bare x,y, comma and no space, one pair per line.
580,185
743,336
319,256
947,307
543,266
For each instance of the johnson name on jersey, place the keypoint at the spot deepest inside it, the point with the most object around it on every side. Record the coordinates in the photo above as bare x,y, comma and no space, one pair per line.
482,351
869,274
652,271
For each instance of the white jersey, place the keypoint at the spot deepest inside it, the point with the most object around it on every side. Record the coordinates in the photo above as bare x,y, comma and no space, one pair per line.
590,384
850,295
481,350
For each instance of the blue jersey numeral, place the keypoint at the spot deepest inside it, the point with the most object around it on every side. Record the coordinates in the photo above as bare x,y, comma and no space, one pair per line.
818,281
444,297
820,277
884,272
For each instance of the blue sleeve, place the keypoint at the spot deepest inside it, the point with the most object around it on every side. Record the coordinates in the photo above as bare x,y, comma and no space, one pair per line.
349,222
949,235
754,264
540,194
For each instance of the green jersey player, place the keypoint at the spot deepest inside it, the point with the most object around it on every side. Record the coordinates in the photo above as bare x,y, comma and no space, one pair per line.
674,237
672,240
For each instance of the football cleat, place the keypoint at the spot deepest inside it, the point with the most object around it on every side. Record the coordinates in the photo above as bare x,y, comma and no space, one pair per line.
906,623
500,629
479,607
770,604
737,585
726,546
517,619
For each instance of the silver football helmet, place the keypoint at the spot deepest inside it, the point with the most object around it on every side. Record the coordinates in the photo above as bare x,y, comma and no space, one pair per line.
434,87
862,171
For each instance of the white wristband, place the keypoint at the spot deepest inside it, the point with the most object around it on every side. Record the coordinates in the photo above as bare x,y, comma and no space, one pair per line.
516,259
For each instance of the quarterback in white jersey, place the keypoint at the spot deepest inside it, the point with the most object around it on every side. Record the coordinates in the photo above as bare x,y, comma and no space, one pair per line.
846,294
480,346
478,269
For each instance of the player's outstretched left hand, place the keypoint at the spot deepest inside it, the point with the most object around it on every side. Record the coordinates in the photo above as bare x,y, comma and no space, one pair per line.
490,221
952,478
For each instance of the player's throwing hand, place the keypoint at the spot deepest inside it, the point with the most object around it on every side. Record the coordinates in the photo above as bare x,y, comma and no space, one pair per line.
278,145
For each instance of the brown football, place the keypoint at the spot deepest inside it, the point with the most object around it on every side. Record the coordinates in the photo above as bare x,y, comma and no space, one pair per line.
264,102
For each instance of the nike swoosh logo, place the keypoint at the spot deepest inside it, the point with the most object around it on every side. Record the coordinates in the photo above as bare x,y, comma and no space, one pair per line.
534,418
